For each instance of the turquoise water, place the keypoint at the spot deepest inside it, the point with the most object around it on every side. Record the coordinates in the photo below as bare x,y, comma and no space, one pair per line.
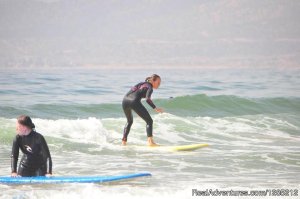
249,117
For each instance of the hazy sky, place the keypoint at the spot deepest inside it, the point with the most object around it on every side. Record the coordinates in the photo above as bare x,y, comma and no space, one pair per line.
150,32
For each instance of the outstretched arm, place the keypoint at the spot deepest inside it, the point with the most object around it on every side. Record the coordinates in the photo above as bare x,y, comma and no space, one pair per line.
148,98
149,101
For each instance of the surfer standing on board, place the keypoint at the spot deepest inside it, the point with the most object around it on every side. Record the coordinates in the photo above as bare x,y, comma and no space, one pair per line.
132,101
36,160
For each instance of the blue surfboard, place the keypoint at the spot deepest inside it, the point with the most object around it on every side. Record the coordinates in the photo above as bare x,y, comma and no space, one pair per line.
68,179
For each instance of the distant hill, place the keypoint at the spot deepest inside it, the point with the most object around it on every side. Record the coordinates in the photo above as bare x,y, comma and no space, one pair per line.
149,32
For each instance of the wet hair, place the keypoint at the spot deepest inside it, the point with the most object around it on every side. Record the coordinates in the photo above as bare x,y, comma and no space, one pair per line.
25,120
153,77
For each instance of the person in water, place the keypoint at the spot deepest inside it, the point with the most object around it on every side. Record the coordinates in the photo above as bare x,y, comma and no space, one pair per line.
132,101
36,160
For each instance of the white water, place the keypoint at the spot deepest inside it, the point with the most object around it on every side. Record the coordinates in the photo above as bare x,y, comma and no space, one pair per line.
245,153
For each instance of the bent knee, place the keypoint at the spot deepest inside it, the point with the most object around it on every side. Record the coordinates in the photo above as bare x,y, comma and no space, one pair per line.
150,121
129,122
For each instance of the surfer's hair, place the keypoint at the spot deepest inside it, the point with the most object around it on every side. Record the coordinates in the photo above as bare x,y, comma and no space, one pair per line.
25,120
152,78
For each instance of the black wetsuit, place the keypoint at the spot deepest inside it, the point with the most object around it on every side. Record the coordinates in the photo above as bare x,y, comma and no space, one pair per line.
132,101
36,160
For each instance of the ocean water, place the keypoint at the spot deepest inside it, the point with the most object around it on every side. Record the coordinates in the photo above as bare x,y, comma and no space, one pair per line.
250,117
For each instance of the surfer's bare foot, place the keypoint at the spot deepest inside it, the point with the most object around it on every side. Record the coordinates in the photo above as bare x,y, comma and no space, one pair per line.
123,143
151,142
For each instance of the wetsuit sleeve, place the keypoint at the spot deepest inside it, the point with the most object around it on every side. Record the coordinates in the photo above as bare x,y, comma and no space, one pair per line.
148,98
14,155
46,155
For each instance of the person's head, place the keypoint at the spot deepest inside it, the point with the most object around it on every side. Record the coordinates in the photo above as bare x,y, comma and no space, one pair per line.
24,125
154,80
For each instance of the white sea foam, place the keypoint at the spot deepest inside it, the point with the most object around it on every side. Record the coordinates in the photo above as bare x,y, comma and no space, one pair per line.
84,130
244,151
169,129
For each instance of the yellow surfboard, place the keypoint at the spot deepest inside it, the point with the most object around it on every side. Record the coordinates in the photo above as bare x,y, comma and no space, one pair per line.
189,147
